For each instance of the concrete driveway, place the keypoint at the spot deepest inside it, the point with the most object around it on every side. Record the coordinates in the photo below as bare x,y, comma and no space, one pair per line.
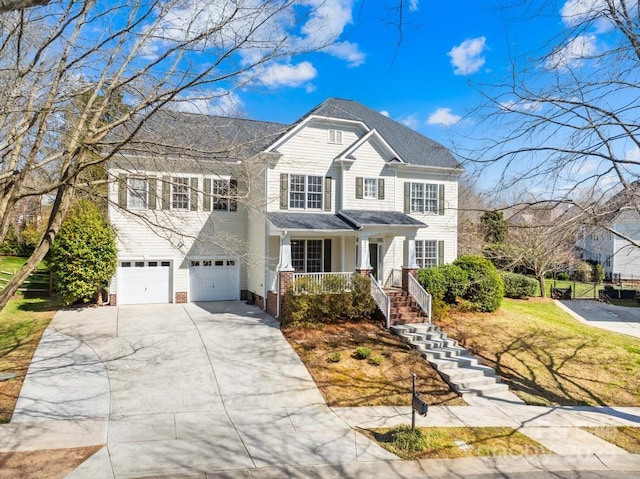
620,319
177,389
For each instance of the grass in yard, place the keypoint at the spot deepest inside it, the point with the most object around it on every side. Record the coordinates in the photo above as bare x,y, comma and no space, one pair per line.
455,442
22,323
382,378
549,358
49,464
628,438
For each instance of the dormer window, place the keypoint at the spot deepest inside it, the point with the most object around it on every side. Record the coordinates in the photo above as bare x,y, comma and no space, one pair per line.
335,137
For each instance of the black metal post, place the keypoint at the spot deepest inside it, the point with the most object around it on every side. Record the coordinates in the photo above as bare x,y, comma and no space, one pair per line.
413,411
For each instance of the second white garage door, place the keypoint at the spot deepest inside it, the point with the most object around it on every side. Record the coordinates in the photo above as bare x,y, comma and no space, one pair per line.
213,279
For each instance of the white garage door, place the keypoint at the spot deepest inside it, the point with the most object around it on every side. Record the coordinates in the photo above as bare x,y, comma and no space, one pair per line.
144,282
213,279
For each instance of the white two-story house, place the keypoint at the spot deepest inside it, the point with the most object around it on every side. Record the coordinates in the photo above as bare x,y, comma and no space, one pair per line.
209,208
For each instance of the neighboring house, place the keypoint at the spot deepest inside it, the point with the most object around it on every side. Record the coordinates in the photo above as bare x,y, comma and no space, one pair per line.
209,208
615,252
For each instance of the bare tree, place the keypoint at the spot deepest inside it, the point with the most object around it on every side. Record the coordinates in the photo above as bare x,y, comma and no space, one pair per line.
10,5
470,208
539,241
64,65
567,122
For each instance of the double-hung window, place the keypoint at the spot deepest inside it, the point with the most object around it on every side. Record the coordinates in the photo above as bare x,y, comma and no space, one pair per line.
138,191
220,195
305,192
371,188
424,198
306,256
426,253
180,193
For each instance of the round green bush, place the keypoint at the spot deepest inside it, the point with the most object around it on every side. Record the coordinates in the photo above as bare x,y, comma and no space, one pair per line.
446,282
485,288
433,281
518,285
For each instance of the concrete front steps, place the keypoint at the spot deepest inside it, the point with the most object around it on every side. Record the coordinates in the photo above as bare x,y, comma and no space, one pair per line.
478,384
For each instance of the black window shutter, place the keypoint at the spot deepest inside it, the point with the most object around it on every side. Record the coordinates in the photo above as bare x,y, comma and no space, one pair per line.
194,194
166,193
122,190
359,188
440,252
440,199
327,193
327,255
407,197
233,191
206,200
152,183
284,191
381,188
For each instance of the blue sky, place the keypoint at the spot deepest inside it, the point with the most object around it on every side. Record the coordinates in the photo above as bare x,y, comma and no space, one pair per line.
429,80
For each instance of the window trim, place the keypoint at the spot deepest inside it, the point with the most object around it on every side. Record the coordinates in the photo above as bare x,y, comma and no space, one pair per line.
306,194
183,182
430,195
132,193
305,258
334,136
373,195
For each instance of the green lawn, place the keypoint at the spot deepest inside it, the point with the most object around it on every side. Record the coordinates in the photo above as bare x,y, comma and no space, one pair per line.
548,357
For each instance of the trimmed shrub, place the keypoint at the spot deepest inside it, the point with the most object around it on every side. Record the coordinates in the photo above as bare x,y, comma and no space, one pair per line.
518,285
485,288
562,276
363,352
446,282
312,307
433,281
83,256
582,272
597,273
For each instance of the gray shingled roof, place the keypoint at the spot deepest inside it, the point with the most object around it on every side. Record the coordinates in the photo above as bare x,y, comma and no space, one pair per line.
308,221
349,220
172,133
360,218
412,147
204,137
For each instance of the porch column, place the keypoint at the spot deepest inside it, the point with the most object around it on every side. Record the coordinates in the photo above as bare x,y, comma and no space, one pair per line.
363,265
410,267
285,270
285,253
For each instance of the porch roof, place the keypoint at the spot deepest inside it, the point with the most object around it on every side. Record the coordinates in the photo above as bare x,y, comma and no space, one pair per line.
347,220
361,218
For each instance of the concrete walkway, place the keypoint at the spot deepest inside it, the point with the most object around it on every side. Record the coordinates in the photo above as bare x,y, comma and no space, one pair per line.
214,389
619,319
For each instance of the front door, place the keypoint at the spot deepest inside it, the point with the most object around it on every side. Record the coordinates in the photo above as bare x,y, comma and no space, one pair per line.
374,259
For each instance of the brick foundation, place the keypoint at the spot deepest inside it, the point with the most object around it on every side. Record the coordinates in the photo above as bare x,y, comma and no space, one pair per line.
272,303
181,297
258,301
113,299
285,278
244,294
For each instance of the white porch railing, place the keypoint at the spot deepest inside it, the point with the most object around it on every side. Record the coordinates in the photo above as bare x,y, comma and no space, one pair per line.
394,280
322,282
381,299
420,295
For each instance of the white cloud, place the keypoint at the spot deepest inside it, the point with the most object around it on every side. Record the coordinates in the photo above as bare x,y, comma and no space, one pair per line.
220,103
285,74
584,167
521,105
413,5
385,113
576,12
326,23
411,121
444,117
468,57
346,51
633,155
573,53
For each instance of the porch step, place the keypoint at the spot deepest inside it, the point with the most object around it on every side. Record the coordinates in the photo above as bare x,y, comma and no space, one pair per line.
478,384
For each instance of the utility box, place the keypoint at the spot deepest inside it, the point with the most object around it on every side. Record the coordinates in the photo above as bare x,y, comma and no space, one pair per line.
419,405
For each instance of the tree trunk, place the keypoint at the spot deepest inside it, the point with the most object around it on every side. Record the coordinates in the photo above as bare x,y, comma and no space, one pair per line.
60,207
543,293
